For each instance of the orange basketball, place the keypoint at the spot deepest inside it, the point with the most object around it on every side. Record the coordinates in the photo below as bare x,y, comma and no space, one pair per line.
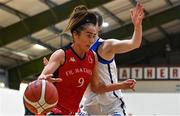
40,96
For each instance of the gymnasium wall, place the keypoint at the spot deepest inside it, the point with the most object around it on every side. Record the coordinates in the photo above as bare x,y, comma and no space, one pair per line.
139,104
11,103
158,86
153,104
156,79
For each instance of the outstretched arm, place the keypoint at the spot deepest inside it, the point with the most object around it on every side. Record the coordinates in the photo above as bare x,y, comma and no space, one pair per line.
113,46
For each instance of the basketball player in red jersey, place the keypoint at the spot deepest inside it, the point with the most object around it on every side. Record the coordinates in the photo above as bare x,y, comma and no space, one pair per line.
75,65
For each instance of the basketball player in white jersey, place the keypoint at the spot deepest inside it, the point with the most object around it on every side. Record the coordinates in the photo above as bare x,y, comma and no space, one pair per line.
112,103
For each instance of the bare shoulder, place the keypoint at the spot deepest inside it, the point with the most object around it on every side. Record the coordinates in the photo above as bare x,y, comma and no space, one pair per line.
106,49
106,45
58,55
59,51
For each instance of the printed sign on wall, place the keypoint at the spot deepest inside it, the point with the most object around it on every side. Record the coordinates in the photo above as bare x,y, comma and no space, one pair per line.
174,72
149,73
136,73
162,72
124,73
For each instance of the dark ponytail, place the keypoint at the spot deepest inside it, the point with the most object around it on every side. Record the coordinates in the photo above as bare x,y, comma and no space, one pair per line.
99,18
79,17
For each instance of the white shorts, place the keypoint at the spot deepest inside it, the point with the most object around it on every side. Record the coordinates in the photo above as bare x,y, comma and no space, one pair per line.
115,108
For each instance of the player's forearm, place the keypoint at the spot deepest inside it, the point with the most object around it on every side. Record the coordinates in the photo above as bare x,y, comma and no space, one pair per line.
44,72
137,36
48,69
107,88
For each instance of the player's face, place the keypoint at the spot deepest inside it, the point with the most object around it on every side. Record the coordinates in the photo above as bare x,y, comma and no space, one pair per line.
87,37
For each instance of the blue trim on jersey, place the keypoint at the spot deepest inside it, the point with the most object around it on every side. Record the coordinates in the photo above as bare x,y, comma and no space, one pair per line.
95,47
116,114
110,75
114,93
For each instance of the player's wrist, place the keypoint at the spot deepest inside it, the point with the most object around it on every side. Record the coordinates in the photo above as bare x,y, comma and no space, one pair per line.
138,27
41,77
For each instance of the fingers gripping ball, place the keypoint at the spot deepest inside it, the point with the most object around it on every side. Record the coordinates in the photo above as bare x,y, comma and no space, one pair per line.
40,96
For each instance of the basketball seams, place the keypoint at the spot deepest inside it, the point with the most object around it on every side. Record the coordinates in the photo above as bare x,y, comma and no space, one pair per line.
50,98
40,106
35,92
43,89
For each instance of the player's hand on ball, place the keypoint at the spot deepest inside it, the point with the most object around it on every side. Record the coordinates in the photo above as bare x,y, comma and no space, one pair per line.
49,78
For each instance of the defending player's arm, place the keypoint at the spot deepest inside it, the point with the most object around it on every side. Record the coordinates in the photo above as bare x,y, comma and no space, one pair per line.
113,46
98,86
56,59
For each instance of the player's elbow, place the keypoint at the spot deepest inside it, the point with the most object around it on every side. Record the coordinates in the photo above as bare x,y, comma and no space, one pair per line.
135,42
138,45
97,90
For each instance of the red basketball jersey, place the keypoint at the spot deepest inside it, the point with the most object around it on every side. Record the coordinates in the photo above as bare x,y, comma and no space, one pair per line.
76,74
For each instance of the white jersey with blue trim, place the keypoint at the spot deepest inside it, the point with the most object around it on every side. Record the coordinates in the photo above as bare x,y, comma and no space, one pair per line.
107,71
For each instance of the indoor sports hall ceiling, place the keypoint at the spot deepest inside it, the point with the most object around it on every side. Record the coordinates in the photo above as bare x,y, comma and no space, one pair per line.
32,29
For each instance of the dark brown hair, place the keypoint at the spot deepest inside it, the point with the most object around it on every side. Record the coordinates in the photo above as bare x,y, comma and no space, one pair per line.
80,17
99,18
